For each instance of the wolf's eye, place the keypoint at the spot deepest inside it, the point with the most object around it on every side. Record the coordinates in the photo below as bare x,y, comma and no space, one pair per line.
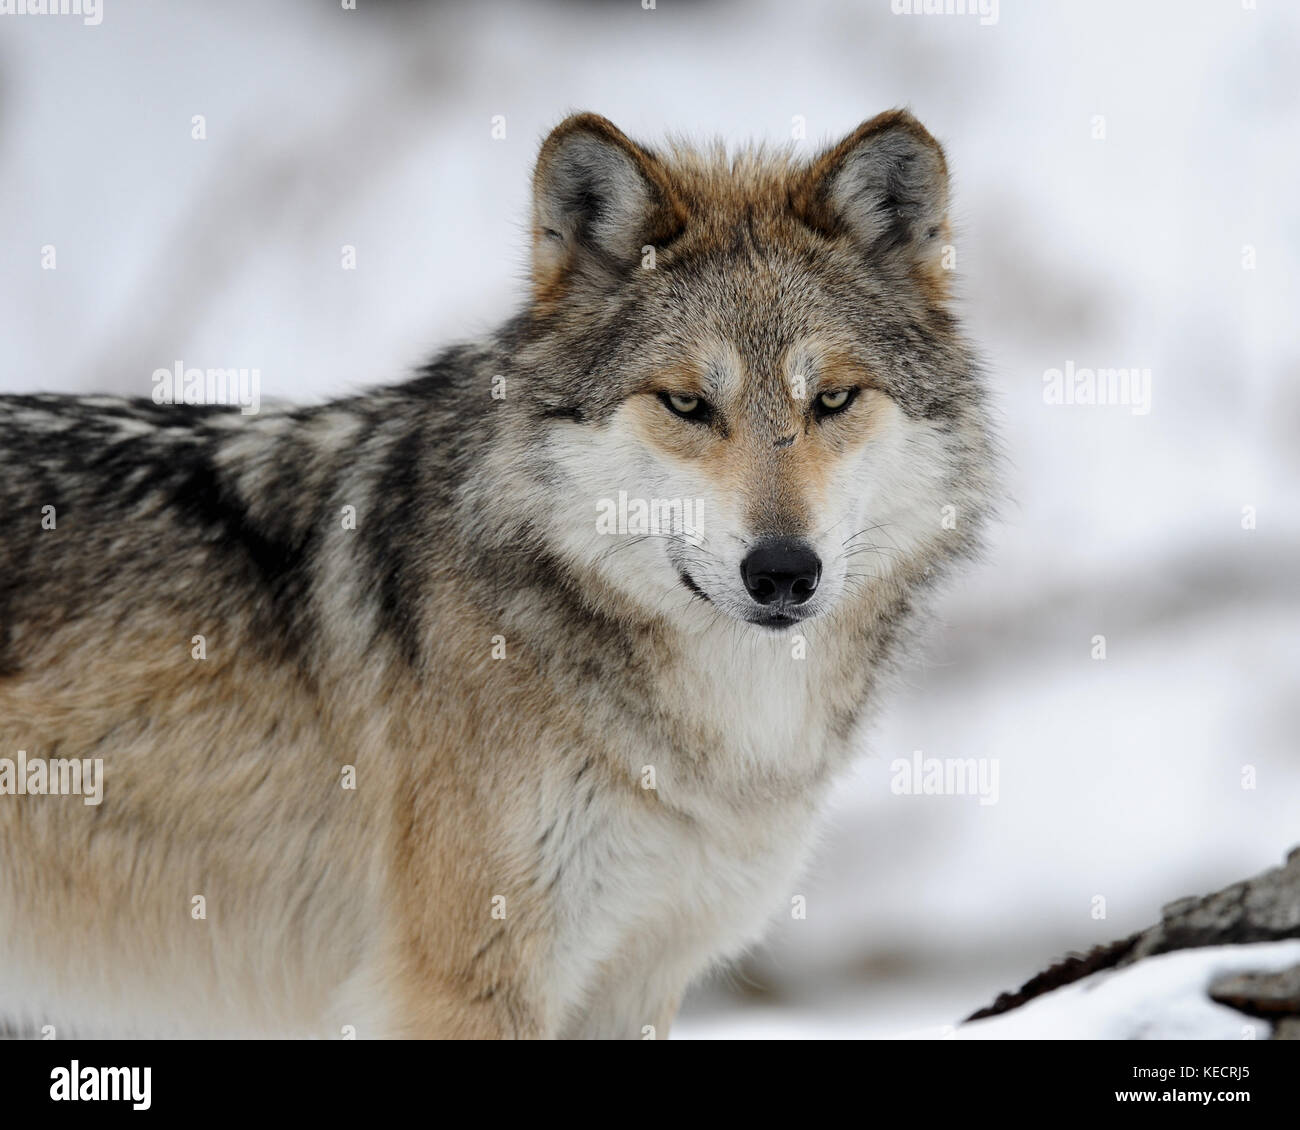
688,407
831,403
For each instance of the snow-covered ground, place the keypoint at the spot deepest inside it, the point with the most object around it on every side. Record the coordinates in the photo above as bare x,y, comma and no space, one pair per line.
1171,243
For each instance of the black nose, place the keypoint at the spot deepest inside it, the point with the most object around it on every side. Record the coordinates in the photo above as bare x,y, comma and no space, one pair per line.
781,570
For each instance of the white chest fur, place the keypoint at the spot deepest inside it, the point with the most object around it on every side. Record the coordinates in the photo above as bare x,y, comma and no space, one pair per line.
651,891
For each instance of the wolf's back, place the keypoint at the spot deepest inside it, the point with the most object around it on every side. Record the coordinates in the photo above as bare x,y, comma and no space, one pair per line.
106,505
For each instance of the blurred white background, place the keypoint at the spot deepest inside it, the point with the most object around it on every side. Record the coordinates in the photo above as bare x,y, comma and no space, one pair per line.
1119,778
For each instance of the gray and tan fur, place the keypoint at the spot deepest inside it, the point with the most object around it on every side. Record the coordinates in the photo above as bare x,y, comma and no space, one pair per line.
501,868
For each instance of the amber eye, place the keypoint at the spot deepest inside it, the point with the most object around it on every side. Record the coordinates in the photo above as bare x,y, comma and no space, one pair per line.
832,403
687,407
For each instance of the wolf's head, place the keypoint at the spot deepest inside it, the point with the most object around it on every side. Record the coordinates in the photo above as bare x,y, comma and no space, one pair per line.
746,389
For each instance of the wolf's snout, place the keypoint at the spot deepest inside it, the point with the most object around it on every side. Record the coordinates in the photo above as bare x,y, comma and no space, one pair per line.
781,570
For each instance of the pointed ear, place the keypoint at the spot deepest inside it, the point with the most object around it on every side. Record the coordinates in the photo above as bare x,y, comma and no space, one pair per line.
886,186
598,198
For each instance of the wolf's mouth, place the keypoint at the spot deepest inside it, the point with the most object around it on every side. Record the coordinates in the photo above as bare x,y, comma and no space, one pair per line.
689,582
780,616
775,621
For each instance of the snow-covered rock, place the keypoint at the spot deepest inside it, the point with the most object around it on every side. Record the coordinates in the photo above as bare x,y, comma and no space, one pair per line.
1160,998
1225,966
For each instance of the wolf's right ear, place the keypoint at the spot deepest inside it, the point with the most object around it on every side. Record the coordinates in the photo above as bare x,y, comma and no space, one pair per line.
598,199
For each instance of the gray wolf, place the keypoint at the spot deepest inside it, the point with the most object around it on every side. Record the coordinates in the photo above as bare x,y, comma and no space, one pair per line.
500,702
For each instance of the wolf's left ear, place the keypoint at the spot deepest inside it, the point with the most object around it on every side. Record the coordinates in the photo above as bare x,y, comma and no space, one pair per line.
598,199
885,185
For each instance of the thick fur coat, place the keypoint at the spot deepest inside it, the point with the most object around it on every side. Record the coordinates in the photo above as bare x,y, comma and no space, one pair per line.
397,738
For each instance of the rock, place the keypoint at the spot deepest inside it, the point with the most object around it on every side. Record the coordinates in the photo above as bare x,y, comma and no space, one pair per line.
1287,1029
1260,994
1263,909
